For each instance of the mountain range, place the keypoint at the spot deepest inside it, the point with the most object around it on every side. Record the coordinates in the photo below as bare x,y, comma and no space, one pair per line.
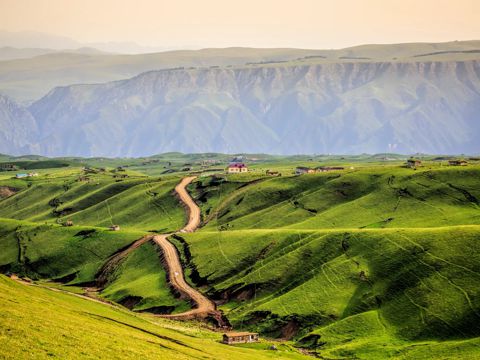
405,98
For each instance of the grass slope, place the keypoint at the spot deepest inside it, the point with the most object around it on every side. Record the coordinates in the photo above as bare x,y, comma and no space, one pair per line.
54,252
142,280
421,283
39,323
370,262
364,197
137,203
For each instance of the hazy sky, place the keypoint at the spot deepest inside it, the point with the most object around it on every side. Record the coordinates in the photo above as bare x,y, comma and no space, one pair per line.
259,23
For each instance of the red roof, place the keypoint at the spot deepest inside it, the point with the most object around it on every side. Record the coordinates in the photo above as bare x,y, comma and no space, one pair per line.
237,165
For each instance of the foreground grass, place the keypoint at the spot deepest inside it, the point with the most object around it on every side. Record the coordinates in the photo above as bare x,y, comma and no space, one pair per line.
37,323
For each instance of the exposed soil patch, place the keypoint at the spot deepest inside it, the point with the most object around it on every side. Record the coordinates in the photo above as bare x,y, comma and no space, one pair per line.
130,301
290,329
6,191
159,310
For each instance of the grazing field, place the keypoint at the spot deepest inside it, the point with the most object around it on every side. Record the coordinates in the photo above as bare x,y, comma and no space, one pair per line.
40,323
141,284
372,261
369,197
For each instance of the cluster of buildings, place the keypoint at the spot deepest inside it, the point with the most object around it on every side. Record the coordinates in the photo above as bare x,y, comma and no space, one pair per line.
26,175
414,163
306,170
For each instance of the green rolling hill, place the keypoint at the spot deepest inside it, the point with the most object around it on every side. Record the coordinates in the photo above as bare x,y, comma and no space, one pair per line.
68,326
374,261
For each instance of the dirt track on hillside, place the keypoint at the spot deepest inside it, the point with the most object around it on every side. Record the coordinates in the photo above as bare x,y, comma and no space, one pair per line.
204,307
193,209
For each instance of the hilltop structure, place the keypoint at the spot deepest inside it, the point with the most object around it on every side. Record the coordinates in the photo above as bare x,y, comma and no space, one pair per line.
413,163
239,338
304,170
457,163
235,168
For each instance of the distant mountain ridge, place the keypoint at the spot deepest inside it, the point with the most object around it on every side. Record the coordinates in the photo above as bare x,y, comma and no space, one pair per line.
352,107
27,80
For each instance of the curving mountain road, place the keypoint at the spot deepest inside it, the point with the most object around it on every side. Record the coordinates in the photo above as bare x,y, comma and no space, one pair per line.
204,307
193,209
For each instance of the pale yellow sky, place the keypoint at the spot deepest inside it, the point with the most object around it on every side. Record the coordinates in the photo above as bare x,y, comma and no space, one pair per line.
258,23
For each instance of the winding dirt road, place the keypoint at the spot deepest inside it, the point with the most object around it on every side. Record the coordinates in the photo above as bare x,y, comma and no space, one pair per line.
193,209
204,307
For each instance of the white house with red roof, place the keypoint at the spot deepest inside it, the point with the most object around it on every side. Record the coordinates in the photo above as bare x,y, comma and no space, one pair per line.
237,167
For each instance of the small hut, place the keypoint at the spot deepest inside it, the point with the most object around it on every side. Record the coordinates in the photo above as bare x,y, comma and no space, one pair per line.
413,163
239,338
68,223
457,163
303,170
328,168
272,173
114,227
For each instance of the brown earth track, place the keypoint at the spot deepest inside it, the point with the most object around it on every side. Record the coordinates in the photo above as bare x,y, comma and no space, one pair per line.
204,307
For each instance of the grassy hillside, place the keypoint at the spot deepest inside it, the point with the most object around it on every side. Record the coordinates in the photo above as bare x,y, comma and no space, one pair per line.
373,261
422,284
314,256
39,323
141,284
363,197
55,252
98,199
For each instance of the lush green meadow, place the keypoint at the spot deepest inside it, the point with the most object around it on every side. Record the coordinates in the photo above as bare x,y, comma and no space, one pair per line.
37,323
373,261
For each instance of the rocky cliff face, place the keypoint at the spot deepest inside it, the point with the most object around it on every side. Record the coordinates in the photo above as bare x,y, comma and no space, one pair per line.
373,107
18,128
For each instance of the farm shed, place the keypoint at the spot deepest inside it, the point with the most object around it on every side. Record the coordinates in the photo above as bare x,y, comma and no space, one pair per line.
239,337
303,170
457,163
413,163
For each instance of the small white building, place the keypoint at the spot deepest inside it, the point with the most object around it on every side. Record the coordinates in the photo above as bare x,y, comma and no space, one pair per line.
235,168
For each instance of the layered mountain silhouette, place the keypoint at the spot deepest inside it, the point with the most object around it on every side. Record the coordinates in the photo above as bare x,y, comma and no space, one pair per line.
428,103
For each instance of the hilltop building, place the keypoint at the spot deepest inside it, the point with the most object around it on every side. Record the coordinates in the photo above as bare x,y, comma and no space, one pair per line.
304,170
457,163
272,173
239,338
8,167
235,168
24,175
328,168
413,163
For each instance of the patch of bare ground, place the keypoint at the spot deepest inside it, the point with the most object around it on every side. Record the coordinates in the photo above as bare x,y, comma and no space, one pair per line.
7,191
